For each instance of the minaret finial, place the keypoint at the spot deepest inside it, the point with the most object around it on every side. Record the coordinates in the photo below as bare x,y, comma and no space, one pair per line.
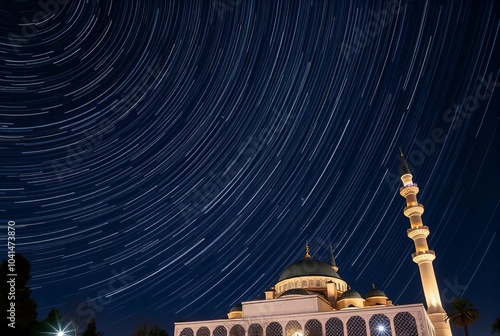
307,250
333,264
373,286
404,166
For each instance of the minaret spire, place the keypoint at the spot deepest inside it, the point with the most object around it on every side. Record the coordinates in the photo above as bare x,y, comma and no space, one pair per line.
333,264
423,256
404,166
307,250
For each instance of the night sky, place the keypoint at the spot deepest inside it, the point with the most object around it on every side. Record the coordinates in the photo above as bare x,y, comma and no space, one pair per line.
189,148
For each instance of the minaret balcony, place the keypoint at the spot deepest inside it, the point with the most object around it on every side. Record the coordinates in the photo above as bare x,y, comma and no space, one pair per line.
413,210
418,232
410,189
423,256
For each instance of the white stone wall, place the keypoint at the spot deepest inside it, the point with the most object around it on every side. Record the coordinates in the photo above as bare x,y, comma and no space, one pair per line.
306,324
293,304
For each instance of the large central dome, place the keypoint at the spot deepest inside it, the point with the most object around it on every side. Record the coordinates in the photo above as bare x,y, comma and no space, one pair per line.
308,267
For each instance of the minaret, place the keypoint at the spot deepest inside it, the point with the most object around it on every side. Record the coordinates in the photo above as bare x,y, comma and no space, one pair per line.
423,256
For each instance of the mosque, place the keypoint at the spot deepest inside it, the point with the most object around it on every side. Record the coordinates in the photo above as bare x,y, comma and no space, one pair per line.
311,299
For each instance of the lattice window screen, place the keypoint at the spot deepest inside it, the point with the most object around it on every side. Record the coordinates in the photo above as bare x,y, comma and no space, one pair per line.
293,328
380,325
313,328
187,332
274,329
255,330
334,327
356,326
405,324
220,331
237,330
203,331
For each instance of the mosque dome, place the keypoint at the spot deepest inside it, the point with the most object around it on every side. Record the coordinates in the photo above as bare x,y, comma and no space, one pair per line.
374,292
308,267
350,294
236,308
236,311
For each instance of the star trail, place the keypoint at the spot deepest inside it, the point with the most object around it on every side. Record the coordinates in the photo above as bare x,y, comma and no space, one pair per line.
164,160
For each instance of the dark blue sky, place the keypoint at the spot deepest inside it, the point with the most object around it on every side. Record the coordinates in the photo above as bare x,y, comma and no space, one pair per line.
189,148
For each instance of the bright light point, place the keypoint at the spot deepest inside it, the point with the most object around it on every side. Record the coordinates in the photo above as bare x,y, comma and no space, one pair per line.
60,333
381,328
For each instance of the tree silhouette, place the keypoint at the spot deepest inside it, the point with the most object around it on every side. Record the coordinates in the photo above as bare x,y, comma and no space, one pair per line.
25,306
92,330
495,326
462,314
50,325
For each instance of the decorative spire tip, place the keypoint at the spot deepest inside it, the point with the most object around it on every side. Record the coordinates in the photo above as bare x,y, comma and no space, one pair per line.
404,166
332,258
333,264
307,250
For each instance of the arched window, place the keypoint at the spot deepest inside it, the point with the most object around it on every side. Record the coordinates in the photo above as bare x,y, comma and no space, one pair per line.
334,327
255,329
356,326
274,329
203,331
220,331
187,332
304,284
318,283
311,283
380,325
293,328
313,328
297,284
237,330
405,324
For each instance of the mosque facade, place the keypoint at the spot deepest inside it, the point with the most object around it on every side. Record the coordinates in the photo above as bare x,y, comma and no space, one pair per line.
311,299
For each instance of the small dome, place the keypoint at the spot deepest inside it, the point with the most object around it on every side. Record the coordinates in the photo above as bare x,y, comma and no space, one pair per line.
350,294
236,308
297,291
375,292
308,267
